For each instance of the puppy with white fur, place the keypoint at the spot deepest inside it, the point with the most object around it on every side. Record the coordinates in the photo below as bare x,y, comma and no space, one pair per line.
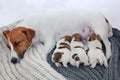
78,54
62,52
95,53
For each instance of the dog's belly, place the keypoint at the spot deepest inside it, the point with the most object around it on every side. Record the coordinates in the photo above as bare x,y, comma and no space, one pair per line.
62,21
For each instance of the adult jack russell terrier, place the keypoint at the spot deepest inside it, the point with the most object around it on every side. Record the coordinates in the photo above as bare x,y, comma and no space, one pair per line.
95,53
78,53
62,51
44,27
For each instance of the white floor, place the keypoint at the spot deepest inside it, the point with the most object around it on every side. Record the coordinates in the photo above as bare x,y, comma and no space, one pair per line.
12,10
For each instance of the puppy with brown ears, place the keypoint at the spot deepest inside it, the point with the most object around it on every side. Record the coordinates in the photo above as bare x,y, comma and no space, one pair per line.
95,53
62,51
78,54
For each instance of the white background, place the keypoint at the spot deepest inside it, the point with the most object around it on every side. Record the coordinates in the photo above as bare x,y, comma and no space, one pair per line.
12,10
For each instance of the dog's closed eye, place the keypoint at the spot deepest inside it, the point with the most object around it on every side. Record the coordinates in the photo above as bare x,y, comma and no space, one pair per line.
8,46
17,43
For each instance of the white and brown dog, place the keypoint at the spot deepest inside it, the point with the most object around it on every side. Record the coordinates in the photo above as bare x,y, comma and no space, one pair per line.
78,53
62,52
95,53
44,27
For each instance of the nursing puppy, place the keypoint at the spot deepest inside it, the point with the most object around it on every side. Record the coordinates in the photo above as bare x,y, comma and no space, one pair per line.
42,28
62,52
78,54
95,53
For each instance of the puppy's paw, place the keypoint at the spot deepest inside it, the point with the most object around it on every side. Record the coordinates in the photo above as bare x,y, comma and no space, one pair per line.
65,64
77,66
58,64
105,63
108,55
86,64
93,65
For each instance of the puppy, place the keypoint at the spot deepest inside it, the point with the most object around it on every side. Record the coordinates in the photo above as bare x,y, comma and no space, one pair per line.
78,54
95,53
62,52
43,28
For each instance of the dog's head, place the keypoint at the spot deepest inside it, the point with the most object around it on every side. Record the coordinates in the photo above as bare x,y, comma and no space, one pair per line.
77,37
18,41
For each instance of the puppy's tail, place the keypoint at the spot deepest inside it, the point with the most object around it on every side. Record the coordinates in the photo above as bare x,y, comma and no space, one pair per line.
110,32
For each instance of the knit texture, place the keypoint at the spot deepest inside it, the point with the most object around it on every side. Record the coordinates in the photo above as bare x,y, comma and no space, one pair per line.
34,67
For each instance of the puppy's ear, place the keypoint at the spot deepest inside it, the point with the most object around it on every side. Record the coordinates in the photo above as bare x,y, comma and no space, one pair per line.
5,33
98,37
92,37
30,33
68,38
77,37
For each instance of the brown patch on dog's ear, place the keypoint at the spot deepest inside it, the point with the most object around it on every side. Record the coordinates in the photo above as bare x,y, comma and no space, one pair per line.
57,56
30,33
68,38
77,37
98,37
5,33
92,37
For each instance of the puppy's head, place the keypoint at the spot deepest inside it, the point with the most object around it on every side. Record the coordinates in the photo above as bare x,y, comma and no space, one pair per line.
94,37
18,40
77,37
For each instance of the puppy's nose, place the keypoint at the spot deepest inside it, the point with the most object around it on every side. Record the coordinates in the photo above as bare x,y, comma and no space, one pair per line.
14,60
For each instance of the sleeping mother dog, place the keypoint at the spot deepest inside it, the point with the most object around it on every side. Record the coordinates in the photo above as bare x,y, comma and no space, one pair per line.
49,27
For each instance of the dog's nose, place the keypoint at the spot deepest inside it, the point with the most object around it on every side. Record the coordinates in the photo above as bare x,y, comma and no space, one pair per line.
14,60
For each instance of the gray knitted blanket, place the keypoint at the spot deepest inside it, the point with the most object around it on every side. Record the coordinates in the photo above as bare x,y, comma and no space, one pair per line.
34,66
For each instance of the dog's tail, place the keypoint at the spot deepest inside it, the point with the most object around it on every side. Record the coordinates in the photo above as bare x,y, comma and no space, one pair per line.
110,32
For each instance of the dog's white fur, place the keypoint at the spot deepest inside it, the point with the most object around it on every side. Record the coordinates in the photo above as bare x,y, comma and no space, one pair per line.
81,53
65,22
96,55
65,56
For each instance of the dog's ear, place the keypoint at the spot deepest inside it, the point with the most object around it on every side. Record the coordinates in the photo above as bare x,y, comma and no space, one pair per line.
30,33
98,37
68,38
77,37
5,33
92,37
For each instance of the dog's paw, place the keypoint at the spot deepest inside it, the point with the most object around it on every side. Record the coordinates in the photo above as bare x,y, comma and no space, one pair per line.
86,64
93,65
108,55
105,63
58,64
65,65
